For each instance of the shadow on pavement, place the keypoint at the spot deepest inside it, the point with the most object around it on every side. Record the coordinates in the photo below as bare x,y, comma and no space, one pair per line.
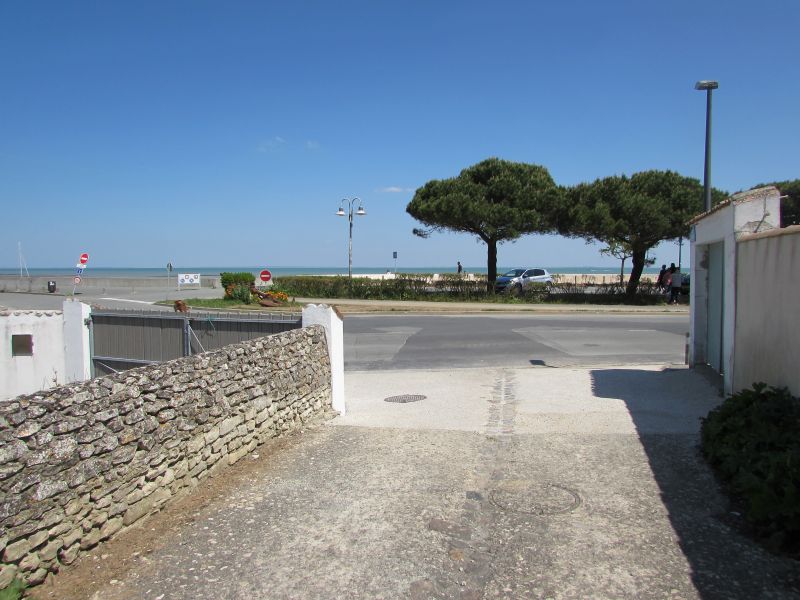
666,407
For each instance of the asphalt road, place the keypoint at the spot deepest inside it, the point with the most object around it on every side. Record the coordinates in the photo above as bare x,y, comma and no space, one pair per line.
469,341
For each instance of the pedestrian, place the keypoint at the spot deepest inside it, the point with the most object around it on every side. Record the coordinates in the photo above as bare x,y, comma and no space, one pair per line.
460,269
674,283
661,275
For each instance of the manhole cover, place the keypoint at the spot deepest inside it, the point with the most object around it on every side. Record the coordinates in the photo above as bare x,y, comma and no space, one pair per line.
405,398
535,498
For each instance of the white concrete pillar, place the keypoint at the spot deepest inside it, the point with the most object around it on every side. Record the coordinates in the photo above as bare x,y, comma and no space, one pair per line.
322,314
77,346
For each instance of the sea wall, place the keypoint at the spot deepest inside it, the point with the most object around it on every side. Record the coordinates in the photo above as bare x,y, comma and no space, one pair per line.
80,463
65,284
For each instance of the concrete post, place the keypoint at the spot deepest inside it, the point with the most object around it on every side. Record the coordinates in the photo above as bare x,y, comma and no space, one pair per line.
322,314
77,346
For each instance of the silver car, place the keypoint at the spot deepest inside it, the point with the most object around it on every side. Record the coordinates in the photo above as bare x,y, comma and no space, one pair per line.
517,279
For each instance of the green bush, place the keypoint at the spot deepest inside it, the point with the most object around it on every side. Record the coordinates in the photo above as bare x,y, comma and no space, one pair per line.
240,278
404,286
14,590
752,440
451,286
240,292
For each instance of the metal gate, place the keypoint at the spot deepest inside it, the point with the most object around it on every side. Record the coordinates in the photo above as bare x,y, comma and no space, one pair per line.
124,339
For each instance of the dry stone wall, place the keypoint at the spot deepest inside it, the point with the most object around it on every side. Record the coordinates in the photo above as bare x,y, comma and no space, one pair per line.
81,462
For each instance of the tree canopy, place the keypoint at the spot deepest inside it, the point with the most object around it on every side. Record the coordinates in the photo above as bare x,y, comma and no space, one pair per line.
790,206
496,200
636,212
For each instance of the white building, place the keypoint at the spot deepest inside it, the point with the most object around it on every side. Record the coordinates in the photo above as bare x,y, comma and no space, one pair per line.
744,292
43,348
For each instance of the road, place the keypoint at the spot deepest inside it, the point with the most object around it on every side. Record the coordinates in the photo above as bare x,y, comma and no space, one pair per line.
388,342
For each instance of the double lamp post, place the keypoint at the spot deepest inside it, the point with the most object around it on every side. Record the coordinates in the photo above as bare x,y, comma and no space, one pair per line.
350,203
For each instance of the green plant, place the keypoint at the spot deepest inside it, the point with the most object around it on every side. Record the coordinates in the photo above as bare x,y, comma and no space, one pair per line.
241,278
14,590
240,292
452,287
752,440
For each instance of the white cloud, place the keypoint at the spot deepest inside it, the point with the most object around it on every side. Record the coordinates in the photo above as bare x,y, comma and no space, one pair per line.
393,189
313,145
271,144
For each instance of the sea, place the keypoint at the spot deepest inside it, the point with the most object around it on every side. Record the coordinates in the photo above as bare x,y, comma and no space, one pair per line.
139,272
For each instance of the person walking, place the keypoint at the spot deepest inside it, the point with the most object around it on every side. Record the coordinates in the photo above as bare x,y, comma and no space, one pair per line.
661,275
674,283
459,269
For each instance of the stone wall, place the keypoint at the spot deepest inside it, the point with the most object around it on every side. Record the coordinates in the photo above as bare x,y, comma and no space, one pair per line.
80,463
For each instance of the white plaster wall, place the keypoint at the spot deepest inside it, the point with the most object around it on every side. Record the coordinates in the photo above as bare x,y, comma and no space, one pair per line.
322,314
45,368
768,311
77,345
744,213
716,227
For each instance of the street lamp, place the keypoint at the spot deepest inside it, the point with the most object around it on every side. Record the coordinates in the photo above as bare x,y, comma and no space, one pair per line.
350,202
707,86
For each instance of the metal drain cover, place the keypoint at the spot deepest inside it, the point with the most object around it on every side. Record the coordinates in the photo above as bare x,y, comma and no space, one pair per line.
535,498
405,398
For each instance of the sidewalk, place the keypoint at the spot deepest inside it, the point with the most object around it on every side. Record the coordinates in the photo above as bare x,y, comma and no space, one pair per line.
500,483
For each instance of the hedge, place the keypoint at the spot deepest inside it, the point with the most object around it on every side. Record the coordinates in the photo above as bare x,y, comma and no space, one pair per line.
241,278
454,287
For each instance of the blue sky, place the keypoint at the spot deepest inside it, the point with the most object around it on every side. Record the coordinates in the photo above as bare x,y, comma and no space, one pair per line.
226,133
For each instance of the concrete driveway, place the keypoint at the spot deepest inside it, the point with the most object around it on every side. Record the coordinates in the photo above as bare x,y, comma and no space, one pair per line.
499,483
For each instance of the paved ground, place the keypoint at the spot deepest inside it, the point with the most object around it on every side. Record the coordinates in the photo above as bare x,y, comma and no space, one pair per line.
510,480
501,483
442,341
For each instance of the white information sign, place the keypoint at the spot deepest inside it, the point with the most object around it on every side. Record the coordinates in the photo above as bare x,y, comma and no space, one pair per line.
189,279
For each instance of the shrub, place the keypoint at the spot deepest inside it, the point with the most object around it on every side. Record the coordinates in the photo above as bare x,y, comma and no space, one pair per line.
451,286
608,293
14,591
752,440
240,292
241,278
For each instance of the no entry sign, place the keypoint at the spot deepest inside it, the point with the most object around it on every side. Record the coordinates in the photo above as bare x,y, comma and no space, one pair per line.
84,258
265,275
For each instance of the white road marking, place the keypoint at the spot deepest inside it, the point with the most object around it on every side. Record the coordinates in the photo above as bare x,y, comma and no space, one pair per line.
126,300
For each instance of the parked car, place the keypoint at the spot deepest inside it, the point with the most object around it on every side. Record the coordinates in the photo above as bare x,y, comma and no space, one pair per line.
517,279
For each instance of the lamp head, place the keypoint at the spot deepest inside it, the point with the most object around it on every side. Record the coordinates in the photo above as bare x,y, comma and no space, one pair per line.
361,212
706,85
340,212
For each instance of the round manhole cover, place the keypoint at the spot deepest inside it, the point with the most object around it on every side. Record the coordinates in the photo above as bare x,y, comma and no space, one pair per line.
405,398
535,498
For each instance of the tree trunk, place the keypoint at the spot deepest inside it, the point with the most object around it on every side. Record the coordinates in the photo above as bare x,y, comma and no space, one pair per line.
637,259
622,270
491,264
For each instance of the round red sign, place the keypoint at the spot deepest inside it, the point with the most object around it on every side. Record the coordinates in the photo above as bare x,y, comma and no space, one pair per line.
84,258
266,275
76,279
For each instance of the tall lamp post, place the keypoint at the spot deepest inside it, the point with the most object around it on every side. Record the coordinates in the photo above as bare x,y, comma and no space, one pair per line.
350,202
707,86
